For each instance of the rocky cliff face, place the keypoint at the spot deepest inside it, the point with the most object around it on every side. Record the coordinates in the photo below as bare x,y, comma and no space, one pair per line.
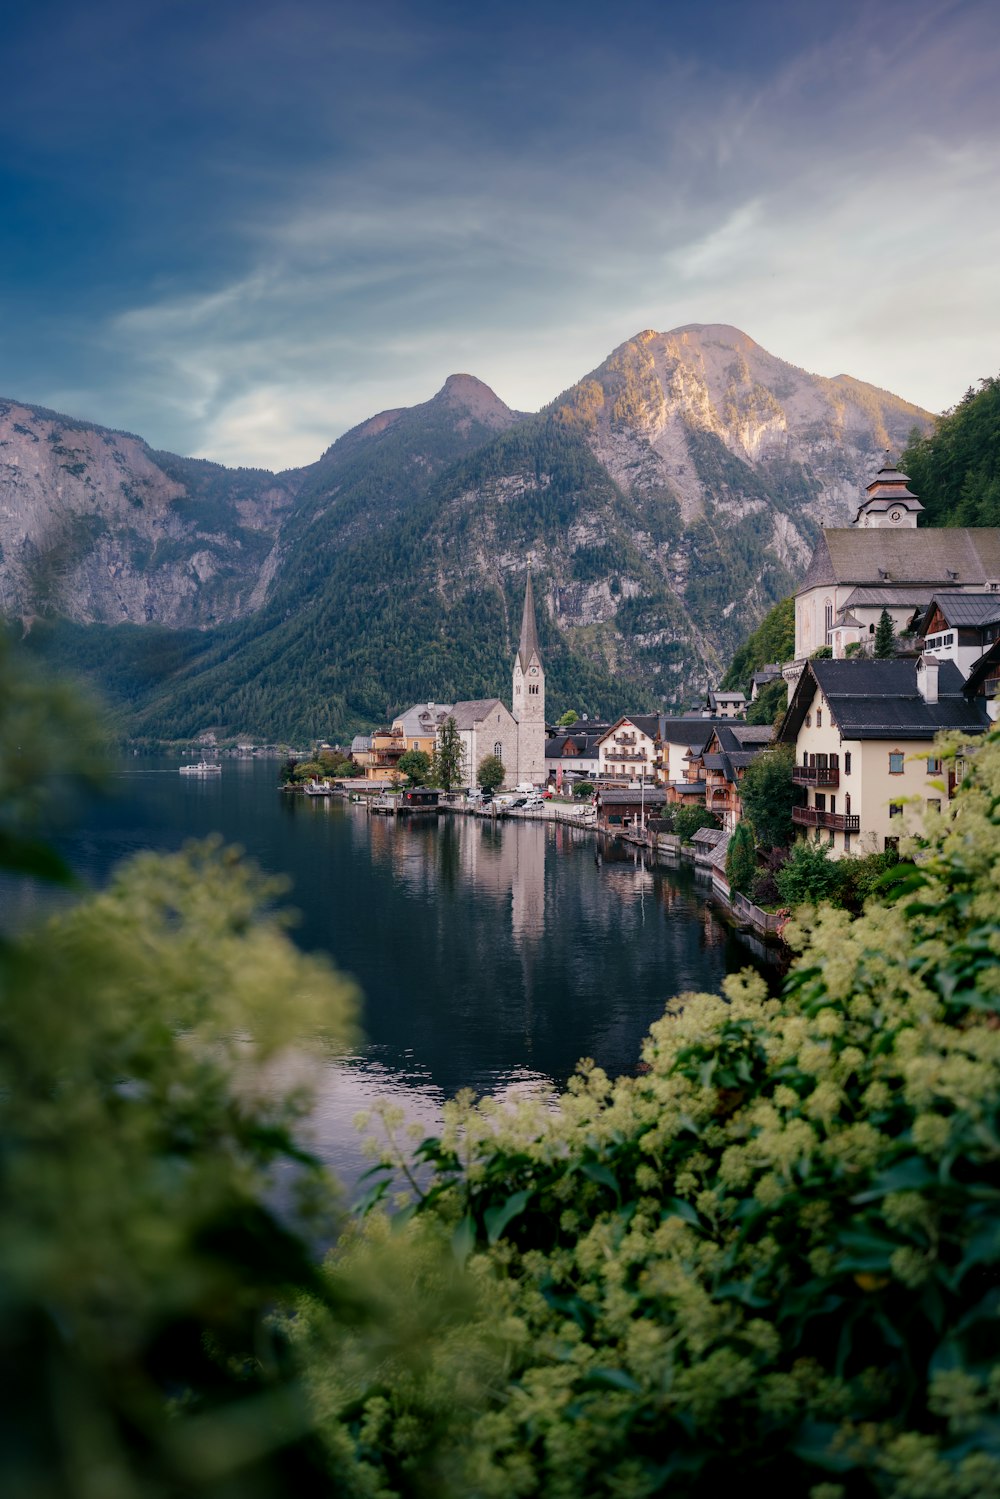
96,527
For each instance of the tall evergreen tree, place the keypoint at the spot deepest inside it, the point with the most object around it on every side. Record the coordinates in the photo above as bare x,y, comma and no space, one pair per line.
885,637
741,859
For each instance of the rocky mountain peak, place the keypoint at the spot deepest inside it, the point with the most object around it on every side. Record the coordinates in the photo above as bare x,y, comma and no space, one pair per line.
468,394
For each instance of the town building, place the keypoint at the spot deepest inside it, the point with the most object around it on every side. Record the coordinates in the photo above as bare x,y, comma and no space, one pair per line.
885,562
959,627
622,807
725,704
722,765
486,726
573,755
864,734
628,750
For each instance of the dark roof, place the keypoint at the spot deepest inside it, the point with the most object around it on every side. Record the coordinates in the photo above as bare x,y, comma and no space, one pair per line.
961,555
968,609
474,710
709,837
906,596
689,788
690,731
769,673
880,700
583,746
620,796
528,646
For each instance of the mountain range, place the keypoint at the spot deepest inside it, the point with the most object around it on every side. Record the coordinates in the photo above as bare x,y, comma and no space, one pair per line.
663,504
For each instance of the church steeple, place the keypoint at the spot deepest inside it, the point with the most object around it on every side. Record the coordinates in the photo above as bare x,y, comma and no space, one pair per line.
529,696
529,632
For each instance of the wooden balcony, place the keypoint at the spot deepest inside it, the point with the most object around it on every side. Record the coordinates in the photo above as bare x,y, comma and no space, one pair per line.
620,754
815,775
839,822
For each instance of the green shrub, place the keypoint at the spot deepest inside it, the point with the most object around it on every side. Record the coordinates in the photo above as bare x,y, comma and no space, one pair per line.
809,874
583,788
688,820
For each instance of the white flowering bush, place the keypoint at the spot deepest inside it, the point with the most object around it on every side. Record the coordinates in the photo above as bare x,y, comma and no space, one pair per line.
773,1256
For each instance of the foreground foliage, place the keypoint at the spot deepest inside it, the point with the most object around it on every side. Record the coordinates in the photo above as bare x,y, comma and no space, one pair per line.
141,1127
773,1256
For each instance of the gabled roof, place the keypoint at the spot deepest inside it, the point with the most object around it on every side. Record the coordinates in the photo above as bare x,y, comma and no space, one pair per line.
580,746
422,718
709,837
880,700
624,796
648,723
962,556
968,610
468,714
361,744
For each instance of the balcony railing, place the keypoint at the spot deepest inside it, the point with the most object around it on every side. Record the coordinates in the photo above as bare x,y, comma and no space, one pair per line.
816,775
840,822
618,754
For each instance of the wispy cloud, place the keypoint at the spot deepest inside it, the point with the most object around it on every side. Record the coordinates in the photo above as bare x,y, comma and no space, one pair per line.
516,199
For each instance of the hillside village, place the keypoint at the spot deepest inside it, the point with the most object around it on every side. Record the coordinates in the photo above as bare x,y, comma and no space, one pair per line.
897,640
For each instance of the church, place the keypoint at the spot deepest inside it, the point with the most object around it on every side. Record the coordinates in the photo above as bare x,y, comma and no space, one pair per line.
885,562
487,727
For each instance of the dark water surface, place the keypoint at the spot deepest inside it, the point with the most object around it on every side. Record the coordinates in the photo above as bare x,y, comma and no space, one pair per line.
490,957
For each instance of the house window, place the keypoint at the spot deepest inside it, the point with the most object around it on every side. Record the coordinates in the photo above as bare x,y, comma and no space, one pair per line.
891,843
819,718
896,763
895,809
833,804
847,843
809,720
934,765
847,762
821,801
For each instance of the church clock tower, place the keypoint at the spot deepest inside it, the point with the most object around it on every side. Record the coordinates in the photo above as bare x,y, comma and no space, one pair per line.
529,697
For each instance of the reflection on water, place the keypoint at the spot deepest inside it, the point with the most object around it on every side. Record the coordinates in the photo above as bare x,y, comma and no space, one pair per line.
491,956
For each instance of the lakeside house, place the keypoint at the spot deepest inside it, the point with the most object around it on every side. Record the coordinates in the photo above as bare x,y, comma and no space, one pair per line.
863,733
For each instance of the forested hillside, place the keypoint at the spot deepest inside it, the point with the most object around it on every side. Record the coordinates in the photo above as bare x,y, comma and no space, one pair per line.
955,469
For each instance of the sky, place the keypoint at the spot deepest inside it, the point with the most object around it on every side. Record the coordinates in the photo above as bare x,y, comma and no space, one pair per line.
239,227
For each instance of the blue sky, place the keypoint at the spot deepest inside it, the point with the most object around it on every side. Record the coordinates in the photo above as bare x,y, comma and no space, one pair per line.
240,228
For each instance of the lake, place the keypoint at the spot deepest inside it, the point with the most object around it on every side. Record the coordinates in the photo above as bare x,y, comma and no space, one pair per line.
491,956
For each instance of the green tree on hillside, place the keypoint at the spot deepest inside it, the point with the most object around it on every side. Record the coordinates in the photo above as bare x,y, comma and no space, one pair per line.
447,764
885,637
773,640
490,773
770,703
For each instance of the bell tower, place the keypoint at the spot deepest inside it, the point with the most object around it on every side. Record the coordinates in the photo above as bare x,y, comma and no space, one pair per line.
888,504
529,697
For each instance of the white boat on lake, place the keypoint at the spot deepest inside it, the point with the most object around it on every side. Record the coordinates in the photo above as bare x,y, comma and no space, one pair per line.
203,768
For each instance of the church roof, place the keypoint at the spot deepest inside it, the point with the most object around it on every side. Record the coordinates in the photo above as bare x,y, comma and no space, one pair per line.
952,556
472,712
529,633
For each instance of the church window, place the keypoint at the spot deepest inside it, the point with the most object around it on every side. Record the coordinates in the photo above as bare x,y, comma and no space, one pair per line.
828,619
498,750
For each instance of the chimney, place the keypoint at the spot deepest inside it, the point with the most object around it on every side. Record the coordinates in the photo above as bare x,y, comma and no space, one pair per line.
927,678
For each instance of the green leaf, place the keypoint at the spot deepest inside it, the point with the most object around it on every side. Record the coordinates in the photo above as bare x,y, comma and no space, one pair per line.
463,1240
497,1219
598,1173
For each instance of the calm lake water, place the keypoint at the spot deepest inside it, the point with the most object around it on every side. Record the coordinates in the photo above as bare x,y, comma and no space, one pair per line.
490,957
